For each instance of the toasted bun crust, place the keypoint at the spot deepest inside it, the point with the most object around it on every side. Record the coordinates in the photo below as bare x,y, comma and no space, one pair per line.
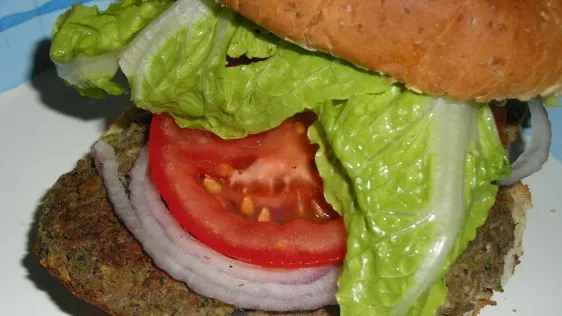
479,49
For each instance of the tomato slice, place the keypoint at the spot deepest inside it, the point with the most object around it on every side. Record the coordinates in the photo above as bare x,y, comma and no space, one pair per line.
258,199
500,117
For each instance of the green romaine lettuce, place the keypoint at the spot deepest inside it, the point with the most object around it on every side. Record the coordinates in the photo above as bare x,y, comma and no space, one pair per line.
552,101
252,41
412,176
86,41
186,75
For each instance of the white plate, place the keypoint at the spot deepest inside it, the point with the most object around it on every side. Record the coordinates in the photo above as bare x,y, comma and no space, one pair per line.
45,127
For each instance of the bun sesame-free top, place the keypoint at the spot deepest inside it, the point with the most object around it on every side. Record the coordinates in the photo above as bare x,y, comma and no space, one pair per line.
476,49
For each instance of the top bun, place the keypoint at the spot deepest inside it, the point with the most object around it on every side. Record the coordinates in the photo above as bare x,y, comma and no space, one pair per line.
478,49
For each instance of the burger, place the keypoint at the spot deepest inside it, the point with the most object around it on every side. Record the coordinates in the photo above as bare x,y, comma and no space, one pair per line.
301,157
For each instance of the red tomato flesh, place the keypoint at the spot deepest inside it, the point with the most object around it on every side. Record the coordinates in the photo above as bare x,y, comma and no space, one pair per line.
500,117
258,199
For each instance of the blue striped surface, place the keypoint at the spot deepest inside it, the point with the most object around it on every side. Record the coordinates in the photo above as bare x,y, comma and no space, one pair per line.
24,25
11,20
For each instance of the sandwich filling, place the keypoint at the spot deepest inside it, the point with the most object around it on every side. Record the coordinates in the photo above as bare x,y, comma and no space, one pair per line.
412,176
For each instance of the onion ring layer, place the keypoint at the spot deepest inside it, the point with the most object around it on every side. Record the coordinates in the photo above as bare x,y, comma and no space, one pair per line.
201,268
536,154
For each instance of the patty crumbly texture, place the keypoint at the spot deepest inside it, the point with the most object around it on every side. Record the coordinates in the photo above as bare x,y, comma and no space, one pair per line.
82,242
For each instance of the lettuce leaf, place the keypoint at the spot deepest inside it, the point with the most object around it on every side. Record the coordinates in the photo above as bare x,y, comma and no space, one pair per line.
412,176
86,41
186,75
252,41
552,101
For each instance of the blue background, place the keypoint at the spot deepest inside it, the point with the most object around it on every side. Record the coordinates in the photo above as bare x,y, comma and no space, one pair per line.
24,25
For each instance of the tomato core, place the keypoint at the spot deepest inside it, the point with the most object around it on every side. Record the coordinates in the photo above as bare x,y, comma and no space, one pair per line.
250,186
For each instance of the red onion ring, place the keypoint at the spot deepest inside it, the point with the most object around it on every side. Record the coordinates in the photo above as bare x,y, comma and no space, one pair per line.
204,270
188,244
536,154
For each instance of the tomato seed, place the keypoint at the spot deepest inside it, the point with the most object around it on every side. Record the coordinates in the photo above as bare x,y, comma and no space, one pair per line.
211,185
265,215
224,170
300,208
318,211
247,206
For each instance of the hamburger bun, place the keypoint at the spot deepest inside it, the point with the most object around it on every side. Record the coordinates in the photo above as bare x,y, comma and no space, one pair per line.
482,50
